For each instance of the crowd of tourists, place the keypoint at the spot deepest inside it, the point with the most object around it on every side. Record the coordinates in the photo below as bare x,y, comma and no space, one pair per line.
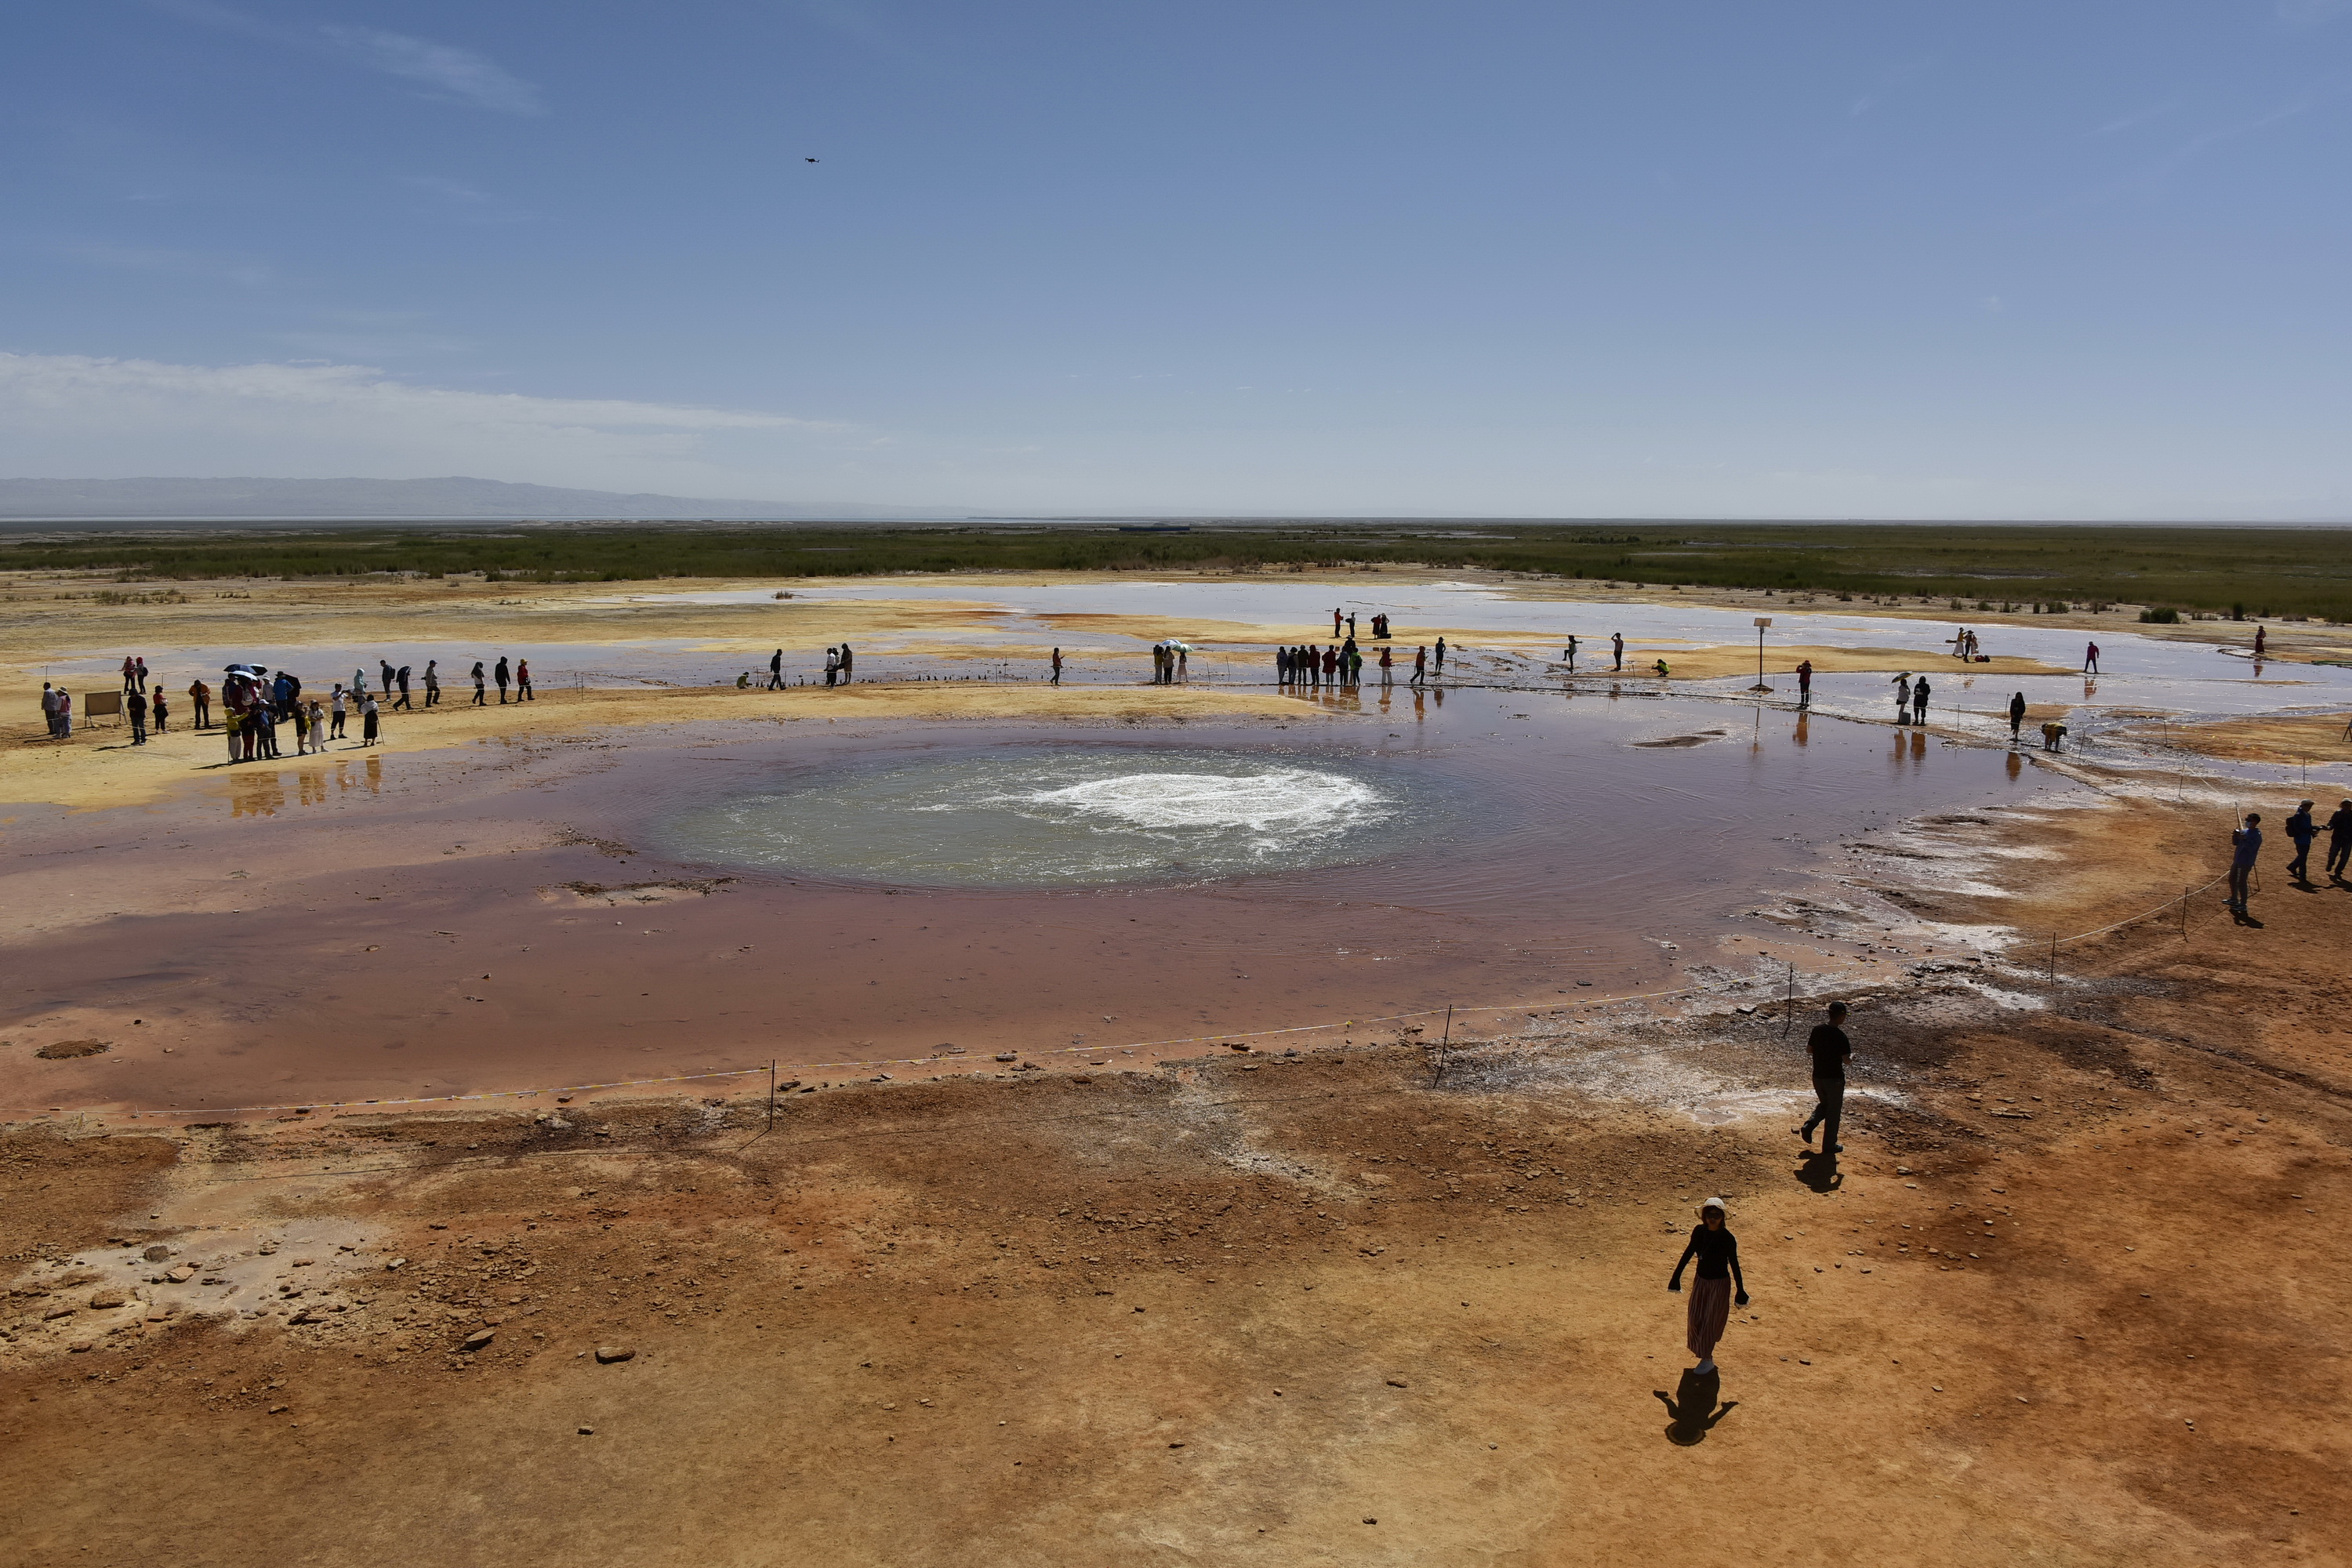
257,705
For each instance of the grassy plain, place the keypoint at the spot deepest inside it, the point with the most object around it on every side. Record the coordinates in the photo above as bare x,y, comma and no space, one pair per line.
1985,567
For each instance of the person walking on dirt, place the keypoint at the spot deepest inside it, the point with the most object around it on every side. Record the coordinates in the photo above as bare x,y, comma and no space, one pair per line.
1717,1288
480,700
2016,715
523,682
1057,666
2245,844
776,670
432,682
2302,830
1420,666
1831,1050
502,676
2340,840
1617,646
1805,684
401,680
1568,653
2091,659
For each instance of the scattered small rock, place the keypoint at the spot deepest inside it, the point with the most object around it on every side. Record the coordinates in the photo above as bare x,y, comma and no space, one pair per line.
103,1300
477,1339
608,1354
180,1273
156,1252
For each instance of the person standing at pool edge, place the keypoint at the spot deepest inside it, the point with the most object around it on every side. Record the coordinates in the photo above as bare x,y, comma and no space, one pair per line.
1920,700
1057,666
2091,659
1617,645
776,670
523,682
1713,1291
202,696
2016,715
2340,840
1805,684
502,676
2245,844
1831,1050
1568,653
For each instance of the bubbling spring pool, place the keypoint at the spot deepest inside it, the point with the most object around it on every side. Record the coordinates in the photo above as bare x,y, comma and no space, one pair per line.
1068,816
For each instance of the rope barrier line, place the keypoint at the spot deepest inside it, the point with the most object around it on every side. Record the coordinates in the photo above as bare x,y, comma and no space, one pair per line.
874,1062
2145,914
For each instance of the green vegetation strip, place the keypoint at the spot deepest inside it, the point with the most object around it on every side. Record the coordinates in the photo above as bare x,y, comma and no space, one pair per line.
2304,572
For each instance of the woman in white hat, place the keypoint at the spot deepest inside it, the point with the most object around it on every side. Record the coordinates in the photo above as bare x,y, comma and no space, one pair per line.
1718,1287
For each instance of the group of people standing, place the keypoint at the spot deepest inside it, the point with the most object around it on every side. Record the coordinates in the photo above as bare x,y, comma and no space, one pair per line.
1340,619
839,663
255,704
2246,846
1342,664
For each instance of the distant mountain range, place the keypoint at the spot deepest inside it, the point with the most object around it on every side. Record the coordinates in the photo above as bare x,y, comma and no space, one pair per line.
161,499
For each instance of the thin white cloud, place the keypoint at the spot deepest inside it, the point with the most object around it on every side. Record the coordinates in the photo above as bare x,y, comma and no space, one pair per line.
461,73
455,189
81,414
243,270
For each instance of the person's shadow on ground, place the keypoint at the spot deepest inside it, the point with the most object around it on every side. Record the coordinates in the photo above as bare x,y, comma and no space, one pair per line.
1821,1173
1691,1410
2245,919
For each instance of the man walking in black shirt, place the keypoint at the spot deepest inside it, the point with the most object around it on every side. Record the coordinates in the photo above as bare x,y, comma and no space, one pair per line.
2339,839
1831,1050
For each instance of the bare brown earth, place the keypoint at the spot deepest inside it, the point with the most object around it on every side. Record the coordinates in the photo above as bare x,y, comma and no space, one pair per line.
2270,738
2067,1298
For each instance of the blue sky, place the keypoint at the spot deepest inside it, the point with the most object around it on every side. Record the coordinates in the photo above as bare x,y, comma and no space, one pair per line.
1992,260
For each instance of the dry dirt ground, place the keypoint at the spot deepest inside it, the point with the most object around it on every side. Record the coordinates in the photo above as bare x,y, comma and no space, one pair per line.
2067,1298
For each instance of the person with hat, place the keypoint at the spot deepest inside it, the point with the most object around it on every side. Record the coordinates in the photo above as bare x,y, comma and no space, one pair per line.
2303,830
2245,845
1719,1285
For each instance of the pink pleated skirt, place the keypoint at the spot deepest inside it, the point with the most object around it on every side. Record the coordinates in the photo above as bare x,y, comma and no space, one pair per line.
1710,1309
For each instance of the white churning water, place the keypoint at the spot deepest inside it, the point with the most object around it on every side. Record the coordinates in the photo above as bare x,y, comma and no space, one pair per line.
1066,816
1272,806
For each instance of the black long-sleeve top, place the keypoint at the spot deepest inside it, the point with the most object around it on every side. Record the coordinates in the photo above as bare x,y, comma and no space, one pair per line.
1717,1252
